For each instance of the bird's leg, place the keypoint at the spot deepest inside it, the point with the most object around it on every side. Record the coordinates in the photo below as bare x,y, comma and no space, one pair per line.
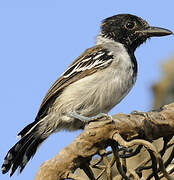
85,119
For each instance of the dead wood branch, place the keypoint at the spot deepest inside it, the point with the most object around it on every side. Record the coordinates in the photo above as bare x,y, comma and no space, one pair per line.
125,130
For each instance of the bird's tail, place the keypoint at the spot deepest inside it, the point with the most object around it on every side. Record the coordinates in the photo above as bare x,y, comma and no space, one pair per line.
24,149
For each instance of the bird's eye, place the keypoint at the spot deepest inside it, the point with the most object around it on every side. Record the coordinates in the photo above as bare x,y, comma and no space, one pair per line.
130,25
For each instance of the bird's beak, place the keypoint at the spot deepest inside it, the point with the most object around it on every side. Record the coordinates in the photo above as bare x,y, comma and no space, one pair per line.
156,31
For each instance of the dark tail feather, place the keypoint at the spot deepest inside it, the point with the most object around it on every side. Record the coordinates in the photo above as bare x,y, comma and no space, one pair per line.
26,129
22,151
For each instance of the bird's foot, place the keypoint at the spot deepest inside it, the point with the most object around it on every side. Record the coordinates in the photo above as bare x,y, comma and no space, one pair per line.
85,119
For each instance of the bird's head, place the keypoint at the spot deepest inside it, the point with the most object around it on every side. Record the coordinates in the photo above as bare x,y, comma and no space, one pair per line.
130,30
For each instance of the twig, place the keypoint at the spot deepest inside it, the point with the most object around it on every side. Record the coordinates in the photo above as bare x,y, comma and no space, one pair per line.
117,160
154,166
170,158
95,164
166,140
108,168
147,145
142,166
124,164
137,150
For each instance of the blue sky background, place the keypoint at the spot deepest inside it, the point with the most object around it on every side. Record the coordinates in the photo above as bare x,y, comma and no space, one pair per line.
39,39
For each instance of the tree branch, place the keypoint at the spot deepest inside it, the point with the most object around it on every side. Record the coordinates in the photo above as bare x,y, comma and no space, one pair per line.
126,130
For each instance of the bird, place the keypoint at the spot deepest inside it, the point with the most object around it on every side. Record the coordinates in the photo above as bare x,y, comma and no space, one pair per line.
89,88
